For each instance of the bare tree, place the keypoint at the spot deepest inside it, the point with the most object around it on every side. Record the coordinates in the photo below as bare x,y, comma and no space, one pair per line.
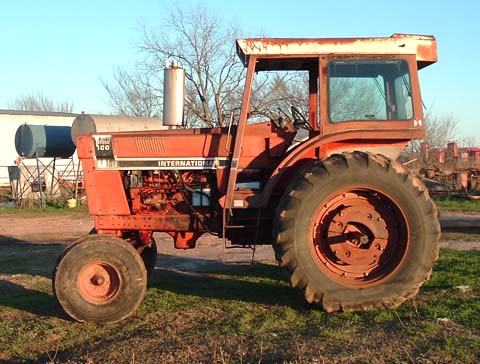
275,91
203,45
439,129
135,94
39,102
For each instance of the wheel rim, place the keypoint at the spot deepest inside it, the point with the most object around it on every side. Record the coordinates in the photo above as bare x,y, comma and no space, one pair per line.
360,237
98,282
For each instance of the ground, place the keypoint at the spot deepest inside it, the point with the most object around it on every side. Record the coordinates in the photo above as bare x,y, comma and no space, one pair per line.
207,305
65,228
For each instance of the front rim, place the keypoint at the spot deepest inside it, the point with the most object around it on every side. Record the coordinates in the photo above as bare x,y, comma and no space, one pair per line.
359,237
98,282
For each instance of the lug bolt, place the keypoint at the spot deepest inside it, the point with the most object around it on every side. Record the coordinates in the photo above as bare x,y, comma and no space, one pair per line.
98,281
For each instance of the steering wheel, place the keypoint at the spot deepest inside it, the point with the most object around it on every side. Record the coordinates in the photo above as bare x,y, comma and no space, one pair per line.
298,119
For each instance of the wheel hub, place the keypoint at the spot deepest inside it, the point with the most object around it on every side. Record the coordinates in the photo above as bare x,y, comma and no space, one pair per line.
98,282
359,237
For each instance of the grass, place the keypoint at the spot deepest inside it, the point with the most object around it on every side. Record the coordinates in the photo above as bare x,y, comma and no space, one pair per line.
48,210
457,204
240,315
444,204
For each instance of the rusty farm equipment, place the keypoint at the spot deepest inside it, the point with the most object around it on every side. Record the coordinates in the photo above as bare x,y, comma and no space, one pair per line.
451,170
352,229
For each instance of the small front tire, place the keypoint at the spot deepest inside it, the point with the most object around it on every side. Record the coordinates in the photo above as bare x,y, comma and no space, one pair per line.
99,278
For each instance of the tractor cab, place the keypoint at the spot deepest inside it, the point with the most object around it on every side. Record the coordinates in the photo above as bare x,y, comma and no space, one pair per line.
351,84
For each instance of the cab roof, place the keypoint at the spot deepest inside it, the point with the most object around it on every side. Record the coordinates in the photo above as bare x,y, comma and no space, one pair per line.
424,47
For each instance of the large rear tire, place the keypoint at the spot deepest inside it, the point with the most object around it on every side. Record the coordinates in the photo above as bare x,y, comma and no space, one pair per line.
99,278
357,232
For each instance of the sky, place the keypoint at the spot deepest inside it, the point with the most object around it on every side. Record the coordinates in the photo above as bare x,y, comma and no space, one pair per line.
65,48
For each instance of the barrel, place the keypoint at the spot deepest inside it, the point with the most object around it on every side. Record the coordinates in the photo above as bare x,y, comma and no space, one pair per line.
44,141
85,124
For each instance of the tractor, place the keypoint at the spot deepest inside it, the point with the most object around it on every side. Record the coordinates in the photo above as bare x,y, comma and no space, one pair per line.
351,228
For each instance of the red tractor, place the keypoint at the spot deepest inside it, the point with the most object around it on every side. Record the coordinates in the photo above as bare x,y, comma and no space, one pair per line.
352,229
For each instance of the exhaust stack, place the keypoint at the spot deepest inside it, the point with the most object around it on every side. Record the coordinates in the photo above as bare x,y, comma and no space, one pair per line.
173,95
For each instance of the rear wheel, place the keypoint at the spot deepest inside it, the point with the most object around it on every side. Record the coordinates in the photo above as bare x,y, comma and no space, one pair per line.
357,232
100,278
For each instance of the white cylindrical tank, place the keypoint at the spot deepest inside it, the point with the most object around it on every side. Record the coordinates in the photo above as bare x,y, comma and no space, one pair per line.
173,96
85,124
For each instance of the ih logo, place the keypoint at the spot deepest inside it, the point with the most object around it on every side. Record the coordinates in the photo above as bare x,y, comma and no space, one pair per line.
417,122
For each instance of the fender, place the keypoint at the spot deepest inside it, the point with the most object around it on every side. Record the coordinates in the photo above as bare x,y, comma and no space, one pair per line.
388,142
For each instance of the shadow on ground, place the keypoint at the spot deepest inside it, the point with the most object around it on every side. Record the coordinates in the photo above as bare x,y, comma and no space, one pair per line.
25,272
22,257
31,300
255,282
23,263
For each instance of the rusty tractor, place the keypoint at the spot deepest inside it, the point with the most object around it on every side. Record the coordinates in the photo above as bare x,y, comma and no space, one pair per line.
351,228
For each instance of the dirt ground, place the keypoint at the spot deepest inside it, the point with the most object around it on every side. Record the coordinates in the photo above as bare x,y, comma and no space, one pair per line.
210,250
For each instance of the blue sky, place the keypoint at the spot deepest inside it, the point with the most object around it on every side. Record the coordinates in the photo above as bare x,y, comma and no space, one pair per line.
63,48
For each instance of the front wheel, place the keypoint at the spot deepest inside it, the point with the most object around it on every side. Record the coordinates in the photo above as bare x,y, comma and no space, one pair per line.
148,253
357,232
99,278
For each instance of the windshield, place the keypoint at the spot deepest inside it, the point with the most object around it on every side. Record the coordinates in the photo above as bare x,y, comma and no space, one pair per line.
369,90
